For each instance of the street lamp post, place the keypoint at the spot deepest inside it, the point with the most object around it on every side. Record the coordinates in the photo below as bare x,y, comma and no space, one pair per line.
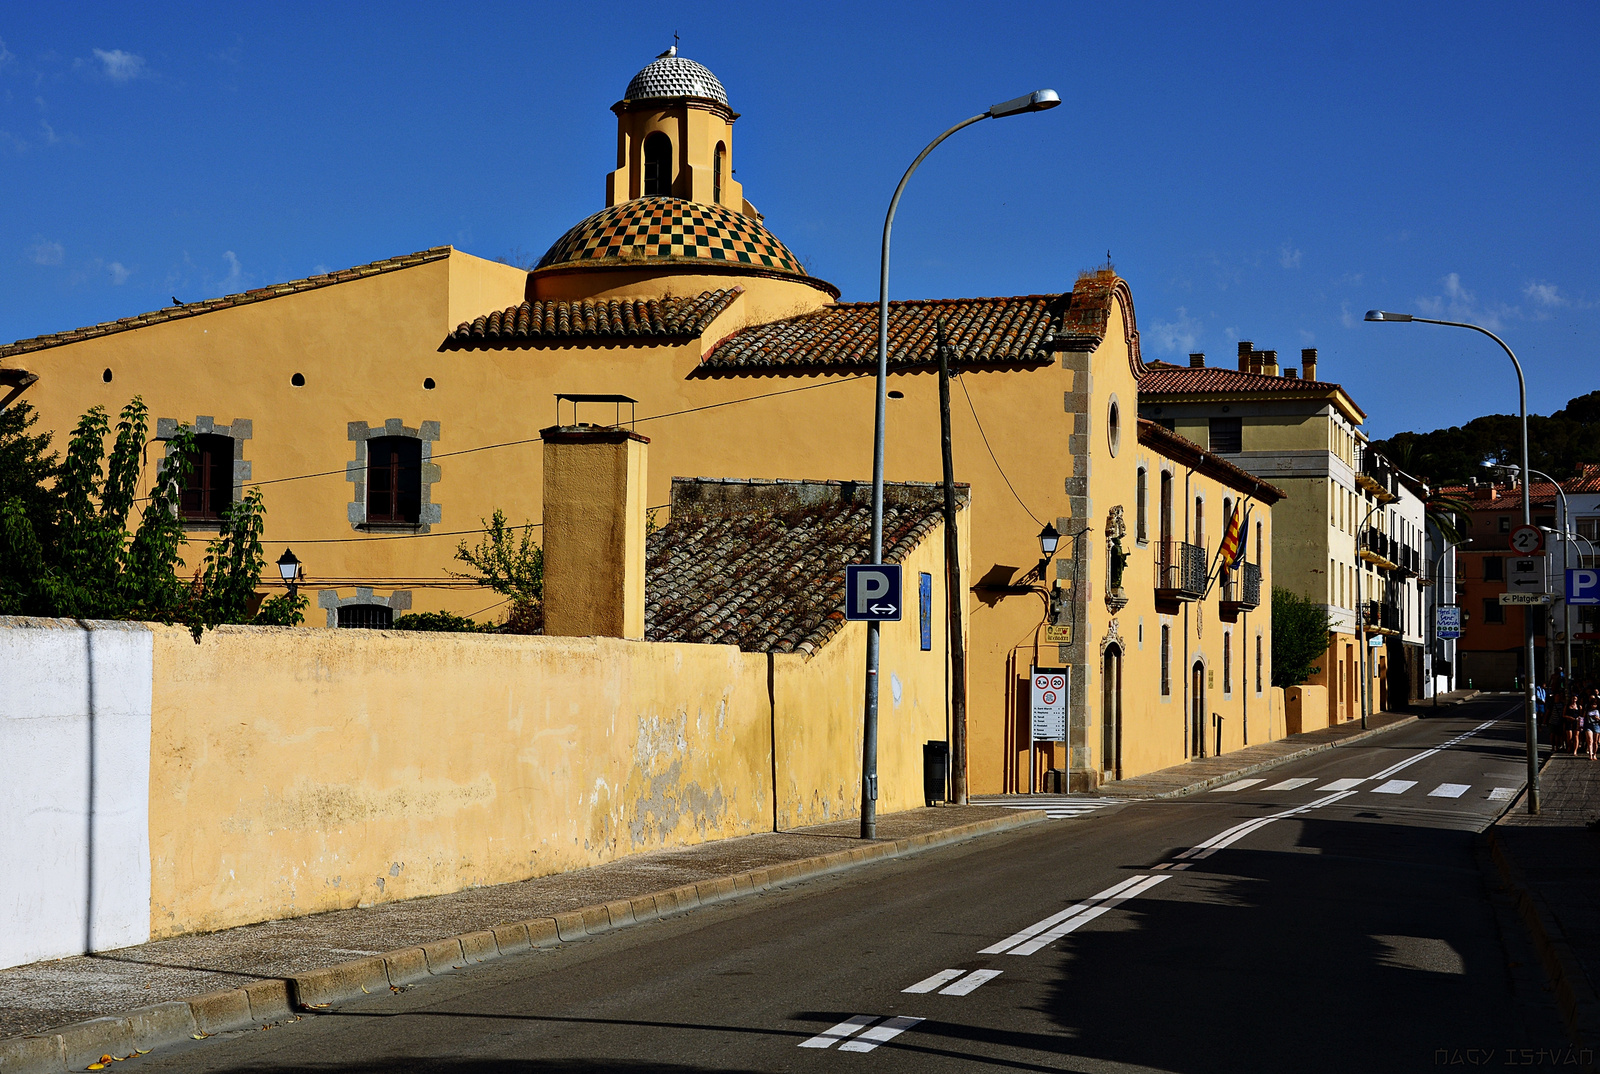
289,568
1529,719
1037,101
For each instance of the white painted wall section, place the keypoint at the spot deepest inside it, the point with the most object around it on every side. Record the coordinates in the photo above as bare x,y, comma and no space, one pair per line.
74,787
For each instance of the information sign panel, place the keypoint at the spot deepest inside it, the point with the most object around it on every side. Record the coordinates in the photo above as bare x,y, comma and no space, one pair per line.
1447,622
872,592
1047,702
1526,575
1583,585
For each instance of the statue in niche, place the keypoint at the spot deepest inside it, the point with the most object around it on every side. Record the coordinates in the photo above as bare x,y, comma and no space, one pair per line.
1116,559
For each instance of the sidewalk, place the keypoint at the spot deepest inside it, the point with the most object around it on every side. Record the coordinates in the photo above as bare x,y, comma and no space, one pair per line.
1551,863
64,1014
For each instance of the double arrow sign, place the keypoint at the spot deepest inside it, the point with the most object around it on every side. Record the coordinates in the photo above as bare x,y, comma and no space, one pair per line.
872,592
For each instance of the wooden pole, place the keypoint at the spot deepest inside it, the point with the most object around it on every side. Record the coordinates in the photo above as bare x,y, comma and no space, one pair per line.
954,594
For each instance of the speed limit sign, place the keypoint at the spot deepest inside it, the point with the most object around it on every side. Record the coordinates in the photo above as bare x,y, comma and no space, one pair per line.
1527,540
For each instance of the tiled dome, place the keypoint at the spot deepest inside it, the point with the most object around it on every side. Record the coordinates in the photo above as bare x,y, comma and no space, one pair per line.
675,76
672,230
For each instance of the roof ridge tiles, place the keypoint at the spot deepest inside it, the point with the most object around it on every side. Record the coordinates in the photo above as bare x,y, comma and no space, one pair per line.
209,305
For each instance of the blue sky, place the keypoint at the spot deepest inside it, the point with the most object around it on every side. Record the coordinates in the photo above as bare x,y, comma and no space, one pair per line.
1255,172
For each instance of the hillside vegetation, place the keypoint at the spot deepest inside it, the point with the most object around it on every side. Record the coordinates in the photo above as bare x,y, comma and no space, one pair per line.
1558,444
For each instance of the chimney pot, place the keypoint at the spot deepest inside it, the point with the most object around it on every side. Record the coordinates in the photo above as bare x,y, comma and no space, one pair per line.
1197,360
1308,362
1246,349
1291,373
1267,363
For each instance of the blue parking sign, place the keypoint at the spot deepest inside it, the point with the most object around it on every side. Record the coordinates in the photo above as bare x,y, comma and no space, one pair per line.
872,592
1583,585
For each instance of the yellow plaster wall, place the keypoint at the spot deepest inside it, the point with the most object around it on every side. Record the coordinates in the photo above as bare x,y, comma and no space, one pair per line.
295,771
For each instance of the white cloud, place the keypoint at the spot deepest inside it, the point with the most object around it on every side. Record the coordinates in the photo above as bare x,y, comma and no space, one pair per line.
1459,304
119,275
1307,338
1288,258
235,275
1545,294
120,66
1347,317
5,54
1177,336
44,252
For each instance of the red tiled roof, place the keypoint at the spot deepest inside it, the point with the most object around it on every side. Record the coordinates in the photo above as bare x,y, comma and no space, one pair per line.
760,564
1021,330
1506,497
1164,378
1182,449
194,309
617,317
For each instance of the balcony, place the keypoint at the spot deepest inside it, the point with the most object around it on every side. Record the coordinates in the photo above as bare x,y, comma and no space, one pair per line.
1242,590
1375,474
1379,549
1382,617
1180,570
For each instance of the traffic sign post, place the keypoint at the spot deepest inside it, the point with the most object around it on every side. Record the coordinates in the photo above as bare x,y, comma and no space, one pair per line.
872,592
1527,540
1526,575
1583,585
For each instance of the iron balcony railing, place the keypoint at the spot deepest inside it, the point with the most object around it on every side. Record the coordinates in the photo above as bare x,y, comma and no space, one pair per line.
1243,587
1382,615
1180,570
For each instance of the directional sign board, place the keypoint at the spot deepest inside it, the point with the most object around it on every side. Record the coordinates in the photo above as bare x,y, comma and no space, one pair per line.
1047,702
1447,622
1524,598
1526,575
1583,585
1527,540
872,592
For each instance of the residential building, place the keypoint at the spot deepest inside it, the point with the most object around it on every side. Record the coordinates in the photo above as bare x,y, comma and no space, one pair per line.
388,409
1351,531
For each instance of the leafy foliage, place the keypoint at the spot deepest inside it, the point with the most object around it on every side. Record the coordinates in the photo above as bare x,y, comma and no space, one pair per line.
65,547
1299,636
512,566
440,621
1559,444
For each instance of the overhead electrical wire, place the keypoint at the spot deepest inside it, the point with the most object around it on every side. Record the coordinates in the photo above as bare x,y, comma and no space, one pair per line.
996,461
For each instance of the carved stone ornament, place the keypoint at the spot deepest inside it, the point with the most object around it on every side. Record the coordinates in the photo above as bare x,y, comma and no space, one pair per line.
1116,560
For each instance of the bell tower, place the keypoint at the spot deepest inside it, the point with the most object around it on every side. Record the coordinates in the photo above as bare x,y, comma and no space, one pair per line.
675,137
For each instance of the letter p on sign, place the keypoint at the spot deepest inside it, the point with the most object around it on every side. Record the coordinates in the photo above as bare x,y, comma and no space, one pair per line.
1583,585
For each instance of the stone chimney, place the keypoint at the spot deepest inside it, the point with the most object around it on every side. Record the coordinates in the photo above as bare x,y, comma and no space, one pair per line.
1197,360
1246,350
594,531
1291,373
1267,363
1308,362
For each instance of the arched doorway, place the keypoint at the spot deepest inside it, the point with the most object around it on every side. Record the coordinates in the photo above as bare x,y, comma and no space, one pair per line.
1111,714
1197,710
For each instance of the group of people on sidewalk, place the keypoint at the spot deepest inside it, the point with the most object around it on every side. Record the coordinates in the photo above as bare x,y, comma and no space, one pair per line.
1571,718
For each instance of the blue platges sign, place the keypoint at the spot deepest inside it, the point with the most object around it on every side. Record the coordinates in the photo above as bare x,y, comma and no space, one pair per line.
1583,585
872,592
1447,622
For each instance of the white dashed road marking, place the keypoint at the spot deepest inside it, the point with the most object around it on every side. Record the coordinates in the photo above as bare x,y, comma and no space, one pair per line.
879,1034
1450,790
970,982
938,980
1289,785
1039,926
1238,785
1395,786
839,1032
1502,794
1342,784
1049,936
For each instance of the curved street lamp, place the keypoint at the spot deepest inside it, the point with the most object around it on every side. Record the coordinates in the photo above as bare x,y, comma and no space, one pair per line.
1037,101
1531,729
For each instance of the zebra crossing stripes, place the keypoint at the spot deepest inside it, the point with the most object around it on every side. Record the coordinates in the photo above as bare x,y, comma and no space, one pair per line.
1392,786
1055,806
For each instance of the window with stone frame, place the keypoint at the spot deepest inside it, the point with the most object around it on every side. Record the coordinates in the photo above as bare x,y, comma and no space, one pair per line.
394,480
209,487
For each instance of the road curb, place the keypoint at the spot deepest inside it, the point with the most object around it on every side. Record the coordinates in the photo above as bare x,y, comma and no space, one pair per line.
74,1047
1575,996
1262,766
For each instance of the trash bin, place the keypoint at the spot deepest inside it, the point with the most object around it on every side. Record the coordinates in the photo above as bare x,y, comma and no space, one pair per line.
935,771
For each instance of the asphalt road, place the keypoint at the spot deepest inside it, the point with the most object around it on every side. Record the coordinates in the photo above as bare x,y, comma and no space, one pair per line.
1332,916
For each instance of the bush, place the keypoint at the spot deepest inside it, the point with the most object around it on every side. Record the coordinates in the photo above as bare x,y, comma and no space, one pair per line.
440,621
1299,636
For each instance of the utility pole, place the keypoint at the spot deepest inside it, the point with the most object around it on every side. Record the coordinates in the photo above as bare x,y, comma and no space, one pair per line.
954,594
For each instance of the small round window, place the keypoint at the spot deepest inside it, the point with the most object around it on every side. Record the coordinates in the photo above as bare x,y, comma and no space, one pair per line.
1114,426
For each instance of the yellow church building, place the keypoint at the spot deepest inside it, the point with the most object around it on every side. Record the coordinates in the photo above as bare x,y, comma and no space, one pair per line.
386,410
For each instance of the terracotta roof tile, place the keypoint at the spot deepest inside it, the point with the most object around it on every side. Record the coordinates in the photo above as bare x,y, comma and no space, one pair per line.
1164,378
613,318
194,309
760,564
1020,330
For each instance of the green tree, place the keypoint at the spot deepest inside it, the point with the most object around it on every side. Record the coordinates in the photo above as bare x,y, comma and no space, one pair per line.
512,566
1299,636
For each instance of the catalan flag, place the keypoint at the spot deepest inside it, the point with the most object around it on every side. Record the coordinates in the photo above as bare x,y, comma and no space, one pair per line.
1232,550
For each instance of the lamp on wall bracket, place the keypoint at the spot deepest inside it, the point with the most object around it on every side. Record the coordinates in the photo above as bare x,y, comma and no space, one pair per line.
289,568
